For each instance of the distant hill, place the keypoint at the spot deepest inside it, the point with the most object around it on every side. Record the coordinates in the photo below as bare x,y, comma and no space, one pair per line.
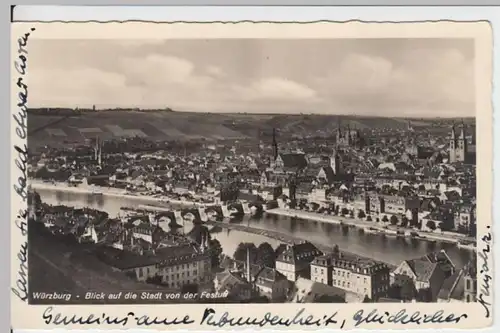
72,127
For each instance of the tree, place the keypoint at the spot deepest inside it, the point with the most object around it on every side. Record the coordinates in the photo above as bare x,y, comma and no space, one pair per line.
345,211
337,209
404,222
394,220
351,213
361,214
369,218
266,255
367,299
215,252
431,225
385,219
241,252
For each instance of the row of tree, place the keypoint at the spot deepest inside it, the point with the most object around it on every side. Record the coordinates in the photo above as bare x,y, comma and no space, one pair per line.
263,255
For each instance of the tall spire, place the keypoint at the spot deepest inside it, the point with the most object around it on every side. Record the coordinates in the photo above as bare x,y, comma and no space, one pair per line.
453,135
348,134
462,131
275,145
96,151
258,141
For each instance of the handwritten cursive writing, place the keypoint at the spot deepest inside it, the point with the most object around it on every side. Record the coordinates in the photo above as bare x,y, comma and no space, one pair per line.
21,160
299,318
485,284
21,64
402,317
56,318
21,288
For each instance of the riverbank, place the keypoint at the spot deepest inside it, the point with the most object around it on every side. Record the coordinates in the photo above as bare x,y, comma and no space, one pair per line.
110,191
284,238
163,201
386,229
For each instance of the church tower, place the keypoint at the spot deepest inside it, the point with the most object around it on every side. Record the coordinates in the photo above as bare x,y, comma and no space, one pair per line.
453,145
336,162
348,135
339,138
275,145
409,127
461,148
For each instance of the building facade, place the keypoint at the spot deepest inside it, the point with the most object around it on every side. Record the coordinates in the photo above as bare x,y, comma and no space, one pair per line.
364,278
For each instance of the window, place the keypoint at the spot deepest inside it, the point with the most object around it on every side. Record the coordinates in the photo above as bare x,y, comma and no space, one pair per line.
365,280
467,285
315,269
467,297
140,272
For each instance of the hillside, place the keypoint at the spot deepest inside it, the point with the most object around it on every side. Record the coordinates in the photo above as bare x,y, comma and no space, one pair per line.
60,129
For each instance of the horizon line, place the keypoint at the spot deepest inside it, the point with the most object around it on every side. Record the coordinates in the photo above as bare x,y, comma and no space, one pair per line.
169,110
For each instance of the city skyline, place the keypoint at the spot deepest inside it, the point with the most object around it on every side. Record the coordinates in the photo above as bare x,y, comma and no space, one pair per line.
416,78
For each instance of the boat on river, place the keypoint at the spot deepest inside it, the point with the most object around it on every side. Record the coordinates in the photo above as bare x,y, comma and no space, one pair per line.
371,230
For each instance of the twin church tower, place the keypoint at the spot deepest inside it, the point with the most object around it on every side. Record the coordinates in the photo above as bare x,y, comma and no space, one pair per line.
458,145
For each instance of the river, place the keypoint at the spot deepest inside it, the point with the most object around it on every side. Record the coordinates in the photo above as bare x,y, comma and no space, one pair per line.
390,250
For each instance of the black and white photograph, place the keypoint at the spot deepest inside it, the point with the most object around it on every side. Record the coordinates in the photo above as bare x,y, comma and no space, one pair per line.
252,170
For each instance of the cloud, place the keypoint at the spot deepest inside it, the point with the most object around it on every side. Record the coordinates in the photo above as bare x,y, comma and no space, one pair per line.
160,70
275,88
410,77
420,80
76,87
215,71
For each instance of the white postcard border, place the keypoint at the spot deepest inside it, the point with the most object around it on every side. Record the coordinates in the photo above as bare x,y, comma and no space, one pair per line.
284,310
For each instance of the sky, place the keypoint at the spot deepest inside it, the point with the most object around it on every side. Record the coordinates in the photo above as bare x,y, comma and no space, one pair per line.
375,77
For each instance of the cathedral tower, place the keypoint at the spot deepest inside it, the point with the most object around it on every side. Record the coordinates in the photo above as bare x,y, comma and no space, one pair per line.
453,145
461,148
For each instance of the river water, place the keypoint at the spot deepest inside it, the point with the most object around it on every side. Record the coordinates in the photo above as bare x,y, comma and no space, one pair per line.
390,250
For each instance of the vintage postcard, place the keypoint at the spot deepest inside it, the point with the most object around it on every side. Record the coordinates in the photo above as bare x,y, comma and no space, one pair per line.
252,175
